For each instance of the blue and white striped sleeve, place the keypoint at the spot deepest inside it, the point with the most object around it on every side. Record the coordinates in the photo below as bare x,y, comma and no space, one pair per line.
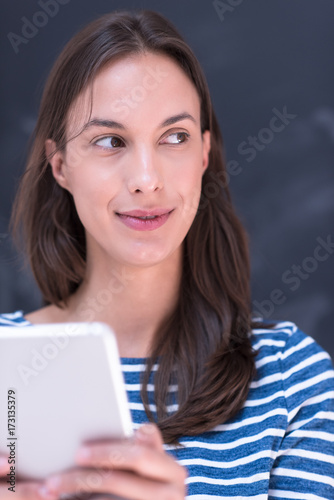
304,465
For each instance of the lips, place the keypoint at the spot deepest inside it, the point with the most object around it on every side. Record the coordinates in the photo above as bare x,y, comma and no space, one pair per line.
153,212
145,220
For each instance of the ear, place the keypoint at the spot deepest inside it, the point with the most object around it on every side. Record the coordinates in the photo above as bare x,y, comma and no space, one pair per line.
206,137
57,162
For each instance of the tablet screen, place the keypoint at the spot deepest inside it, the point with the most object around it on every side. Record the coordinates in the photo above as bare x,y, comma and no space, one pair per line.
60,385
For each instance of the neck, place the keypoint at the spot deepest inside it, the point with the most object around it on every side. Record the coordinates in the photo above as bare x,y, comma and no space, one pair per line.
133,301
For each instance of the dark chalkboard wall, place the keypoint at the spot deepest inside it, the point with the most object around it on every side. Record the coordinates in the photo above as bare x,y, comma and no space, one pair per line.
270,69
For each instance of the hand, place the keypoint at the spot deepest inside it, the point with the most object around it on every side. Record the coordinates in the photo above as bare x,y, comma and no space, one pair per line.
24,490
135,469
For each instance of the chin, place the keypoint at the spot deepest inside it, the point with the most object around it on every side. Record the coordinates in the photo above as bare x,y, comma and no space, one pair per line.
147,257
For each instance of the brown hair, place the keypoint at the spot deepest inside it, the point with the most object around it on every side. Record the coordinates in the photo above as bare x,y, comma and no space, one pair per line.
205,345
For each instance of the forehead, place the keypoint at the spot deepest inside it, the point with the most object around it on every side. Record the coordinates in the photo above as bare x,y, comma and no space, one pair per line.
148,86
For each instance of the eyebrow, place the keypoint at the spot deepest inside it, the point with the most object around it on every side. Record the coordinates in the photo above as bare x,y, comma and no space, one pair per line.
113,124
177,118
96,122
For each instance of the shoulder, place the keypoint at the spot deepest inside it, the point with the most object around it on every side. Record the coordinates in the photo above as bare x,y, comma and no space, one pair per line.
13,319
286,341
291,361
47,314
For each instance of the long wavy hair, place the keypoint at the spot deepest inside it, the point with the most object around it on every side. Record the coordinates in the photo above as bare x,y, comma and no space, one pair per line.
205,345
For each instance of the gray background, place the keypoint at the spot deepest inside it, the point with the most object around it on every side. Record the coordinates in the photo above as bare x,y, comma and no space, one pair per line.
258,56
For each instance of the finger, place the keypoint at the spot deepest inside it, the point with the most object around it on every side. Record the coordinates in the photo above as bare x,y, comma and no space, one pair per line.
151,435
120,483
4,466
25,491
131,456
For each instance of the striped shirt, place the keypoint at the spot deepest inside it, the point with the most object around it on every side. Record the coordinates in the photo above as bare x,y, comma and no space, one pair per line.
280,445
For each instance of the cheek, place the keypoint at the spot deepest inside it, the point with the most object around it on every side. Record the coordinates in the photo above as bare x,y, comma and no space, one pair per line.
78,154
92,193
189,185
187,169
191,173
90,177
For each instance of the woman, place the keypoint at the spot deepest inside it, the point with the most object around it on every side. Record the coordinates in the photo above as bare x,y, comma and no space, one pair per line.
128,220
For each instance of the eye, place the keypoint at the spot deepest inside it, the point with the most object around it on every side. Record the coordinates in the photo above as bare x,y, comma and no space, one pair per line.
176,138
110,142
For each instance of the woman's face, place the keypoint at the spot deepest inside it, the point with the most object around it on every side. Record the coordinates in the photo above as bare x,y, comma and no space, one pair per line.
141,154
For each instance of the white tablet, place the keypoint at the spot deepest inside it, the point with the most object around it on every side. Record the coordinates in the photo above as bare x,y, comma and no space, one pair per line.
60,385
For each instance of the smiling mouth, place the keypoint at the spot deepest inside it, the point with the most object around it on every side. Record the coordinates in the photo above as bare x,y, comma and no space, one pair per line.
138,221
145,214
145,218
142,217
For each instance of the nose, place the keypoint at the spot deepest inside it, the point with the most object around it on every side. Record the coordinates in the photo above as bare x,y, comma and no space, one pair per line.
144,175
